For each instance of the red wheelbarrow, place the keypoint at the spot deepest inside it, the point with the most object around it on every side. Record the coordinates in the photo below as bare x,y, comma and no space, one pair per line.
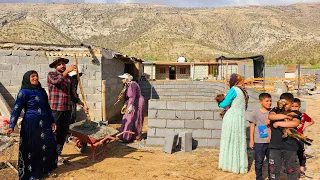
94,140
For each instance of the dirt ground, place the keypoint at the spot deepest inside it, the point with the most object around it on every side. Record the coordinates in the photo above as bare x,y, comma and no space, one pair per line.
138,161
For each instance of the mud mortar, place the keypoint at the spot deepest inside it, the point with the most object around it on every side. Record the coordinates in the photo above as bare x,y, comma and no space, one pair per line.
93,129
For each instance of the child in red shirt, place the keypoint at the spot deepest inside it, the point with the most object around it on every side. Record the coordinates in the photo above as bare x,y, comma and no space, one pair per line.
302,126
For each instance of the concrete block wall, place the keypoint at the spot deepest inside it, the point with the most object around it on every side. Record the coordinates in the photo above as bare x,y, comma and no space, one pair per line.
14,63
181,89
186,89
199,117
111,69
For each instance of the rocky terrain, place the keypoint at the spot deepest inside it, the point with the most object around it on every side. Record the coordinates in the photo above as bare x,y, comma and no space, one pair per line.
282,33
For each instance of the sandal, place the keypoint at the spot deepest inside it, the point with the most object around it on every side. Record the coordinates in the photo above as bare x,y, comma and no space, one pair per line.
63,161
302,175
52,175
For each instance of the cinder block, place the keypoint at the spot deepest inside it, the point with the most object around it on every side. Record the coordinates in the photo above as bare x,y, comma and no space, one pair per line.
210,106
157,104
41,60
152,114
194,105
171,141
94,83
19,53
92,68
194,124
216,134
203,114
155,141
178,105
2,59
200,133
201,142
33,66
19,68
11,75
97,90
161,123
5,82
88,90
185,141
97,105
12,59
166,114
15,82
175,123
216,115
5,52
97,75
151,132
163,132
94,97
35,53
84,82
185,114
212,124
214,143
46,68
84,60
27,60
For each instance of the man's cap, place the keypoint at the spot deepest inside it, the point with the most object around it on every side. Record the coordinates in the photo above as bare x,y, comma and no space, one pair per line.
57,60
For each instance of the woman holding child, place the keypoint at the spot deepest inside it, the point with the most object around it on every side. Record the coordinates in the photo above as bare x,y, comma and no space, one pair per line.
233,145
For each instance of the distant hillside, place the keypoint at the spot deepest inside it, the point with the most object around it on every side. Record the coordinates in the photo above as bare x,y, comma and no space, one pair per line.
289,33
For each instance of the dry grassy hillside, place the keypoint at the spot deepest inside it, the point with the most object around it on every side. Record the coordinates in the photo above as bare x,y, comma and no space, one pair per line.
163,33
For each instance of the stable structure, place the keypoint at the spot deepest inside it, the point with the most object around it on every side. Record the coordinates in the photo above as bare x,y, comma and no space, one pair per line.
100,79
188,70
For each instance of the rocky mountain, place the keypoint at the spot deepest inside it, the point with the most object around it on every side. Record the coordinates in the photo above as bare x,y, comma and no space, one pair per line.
281,33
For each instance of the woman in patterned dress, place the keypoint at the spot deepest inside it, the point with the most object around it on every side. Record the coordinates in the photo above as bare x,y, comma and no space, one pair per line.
37,148
233,145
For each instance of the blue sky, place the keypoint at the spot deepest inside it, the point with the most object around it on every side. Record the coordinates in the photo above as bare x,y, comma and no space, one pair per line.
184,3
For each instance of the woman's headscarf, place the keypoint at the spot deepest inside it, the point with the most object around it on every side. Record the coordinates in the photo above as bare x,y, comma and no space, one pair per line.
26,84
238,81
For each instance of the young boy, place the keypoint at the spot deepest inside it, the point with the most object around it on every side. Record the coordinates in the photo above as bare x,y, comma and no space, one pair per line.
304,118
283,150
259,138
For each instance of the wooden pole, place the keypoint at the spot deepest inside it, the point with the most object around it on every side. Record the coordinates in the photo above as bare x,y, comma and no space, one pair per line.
103,99
299,79
226,79
80,86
